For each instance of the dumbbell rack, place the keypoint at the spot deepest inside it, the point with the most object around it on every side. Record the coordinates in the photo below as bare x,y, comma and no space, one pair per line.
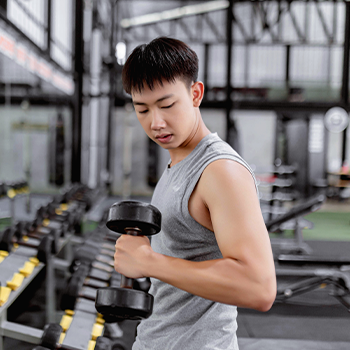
9,266
82,326
11,276
13,191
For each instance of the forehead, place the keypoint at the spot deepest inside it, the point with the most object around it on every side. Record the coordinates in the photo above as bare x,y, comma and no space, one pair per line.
159,89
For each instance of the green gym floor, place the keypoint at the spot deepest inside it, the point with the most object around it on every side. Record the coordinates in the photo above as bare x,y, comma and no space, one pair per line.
314,320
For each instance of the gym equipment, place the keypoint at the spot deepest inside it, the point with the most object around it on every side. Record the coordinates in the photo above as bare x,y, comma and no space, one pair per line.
19,267
294,218
45,248
313,279
51,335
42,221
307,207
115,304
92,252
56,151
280,182
26,229
12,190
58,216
82,278
91,268
11,286
54,337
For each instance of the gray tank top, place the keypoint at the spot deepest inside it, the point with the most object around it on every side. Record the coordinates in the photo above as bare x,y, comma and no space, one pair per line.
180,320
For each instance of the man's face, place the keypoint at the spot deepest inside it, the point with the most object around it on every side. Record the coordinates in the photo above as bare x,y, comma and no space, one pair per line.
167,113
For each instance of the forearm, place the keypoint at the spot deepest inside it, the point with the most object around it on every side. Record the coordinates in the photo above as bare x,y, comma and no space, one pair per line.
225,280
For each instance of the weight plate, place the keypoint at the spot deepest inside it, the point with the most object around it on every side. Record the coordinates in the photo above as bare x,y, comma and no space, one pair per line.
45,248
6,240
116,304
125,214
103,343
51,335
336,119
20,229
73,288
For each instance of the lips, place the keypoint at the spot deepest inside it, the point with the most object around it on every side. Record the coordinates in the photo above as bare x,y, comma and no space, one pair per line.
164,138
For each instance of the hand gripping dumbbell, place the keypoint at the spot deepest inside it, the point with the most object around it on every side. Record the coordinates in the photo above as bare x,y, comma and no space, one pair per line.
117,304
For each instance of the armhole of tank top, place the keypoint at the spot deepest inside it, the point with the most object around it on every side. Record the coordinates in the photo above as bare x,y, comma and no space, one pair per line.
193,185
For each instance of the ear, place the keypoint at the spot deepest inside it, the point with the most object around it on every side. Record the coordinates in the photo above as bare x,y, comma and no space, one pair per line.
197,91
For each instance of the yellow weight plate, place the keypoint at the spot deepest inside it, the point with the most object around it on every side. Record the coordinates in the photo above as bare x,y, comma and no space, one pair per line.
4,295
16,281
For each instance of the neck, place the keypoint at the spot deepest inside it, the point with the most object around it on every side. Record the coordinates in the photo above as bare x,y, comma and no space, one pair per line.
199,132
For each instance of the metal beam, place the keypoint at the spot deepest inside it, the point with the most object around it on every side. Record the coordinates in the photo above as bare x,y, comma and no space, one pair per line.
42,53
35,100
345,80
229,24
327,32
301,36
48,32
180,12
279,106
206,65
78,94
112,89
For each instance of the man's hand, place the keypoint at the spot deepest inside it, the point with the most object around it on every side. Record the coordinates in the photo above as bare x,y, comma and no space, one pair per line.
131,255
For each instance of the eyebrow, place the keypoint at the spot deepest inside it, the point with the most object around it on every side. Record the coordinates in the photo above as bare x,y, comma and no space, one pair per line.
159,100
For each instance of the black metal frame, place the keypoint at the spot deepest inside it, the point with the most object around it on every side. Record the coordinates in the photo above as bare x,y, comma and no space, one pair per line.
261,23
346,63
251,34
78,94
43,52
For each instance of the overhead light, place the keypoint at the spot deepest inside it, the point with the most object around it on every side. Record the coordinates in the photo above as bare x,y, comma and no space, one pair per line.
120,53
179,12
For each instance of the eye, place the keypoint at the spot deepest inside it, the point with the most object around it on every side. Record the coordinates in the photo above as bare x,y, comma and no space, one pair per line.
143,112
169,106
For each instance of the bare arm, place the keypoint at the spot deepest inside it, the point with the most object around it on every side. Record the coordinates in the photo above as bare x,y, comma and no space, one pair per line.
245,276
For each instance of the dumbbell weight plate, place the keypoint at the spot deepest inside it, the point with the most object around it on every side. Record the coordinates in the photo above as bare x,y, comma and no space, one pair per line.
51,335
44,248
103,343
6,239
116,304
134,214
73,288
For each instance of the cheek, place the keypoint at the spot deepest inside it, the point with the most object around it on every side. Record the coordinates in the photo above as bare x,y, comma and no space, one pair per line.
143,121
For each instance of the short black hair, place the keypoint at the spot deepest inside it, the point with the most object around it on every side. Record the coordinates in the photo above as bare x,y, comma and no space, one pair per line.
163,59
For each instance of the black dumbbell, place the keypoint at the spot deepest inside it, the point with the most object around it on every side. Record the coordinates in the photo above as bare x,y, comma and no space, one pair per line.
23,228
92,252
116,304
10,236
42,221
74,288
51,336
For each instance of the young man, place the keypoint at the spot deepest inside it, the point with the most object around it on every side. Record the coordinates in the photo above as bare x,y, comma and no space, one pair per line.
213,252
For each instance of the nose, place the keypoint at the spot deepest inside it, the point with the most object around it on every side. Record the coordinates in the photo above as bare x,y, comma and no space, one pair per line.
157,122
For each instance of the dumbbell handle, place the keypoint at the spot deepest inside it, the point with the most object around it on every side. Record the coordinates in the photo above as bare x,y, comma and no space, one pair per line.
127,282
25,244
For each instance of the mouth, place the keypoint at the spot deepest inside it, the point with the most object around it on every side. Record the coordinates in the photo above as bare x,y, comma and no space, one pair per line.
164,138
